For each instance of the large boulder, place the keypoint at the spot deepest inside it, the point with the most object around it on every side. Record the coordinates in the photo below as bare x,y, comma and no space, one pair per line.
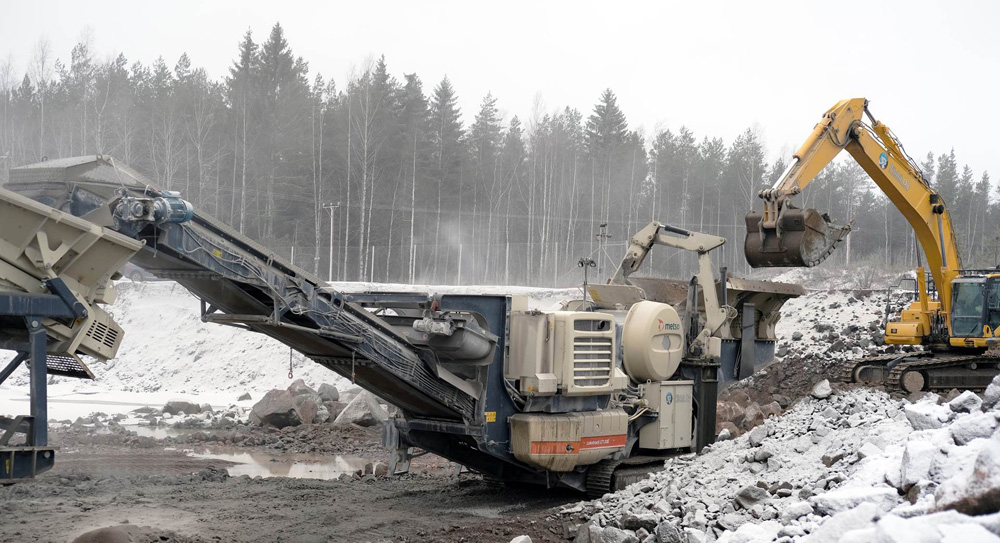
364,410
970,427
966,402
978,491
726,430
841,522
299,387
750,496
822,390
334,408
917,459
729,412
926,415
772,409
329,393
310,409
753,416
991,398
177,406
277,409
843,499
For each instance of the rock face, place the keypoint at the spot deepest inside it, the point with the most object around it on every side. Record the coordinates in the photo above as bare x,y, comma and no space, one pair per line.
277,409
364,410
177,406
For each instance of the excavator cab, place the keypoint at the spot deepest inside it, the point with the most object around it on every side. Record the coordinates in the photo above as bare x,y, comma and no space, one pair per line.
975,309
796,238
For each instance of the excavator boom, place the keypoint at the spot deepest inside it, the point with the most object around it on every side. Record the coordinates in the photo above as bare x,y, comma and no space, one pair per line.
782,235
957,327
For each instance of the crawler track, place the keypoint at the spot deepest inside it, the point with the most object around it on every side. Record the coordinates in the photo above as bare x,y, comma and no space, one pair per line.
613,475
912,372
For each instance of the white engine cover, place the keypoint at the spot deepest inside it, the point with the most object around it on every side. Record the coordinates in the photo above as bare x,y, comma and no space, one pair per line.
652,341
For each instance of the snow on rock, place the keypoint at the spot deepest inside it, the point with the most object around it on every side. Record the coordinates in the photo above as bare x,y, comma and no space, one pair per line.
926,415
966,402
978,425
978,489
850,468
822,390
992,395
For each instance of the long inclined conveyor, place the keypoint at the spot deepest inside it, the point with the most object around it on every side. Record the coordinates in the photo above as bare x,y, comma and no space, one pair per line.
242,283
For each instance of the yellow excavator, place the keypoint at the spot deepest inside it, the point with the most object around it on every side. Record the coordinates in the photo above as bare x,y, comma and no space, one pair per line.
956,317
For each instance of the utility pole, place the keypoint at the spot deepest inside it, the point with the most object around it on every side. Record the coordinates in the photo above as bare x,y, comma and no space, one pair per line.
602,237
586,263
332,208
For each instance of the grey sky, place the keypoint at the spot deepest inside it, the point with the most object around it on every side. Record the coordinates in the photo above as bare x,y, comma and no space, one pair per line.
930,69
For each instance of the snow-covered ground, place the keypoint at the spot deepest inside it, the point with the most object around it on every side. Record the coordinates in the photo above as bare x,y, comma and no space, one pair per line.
850,467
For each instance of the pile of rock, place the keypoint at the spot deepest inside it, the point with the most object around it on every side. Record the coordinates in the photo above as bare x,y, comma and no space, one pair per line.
300,404
738,413
849,467
297,404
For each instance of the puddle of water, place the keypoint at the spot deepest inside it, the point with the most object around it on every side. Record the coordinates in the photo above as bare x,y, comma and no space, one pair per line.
294,466
159,432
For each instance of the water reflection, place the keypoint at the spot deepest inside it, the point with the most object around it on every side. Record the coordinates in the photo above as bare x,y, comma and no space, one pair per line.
296,466
159,432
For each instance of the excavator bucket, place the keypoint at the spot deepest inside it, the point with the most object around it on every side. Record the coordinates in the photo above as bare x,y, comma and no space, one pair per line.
803,238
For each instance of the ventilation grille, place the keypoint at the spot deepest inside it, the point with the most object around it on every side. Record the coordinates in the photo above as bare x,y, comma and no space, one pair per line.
103,334
592,361
67,366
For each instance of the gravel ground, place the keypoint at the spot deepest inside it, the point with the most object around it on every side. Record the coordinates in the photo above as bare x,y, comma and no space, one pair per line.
150,490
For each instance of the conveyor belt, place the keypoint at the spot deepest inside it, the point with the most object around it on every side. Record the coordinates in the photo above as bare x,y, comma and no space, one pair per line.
255,288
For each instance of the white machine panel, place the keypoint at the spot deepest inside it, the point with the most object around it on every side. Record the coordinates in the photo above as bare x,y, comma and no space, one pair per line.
674,403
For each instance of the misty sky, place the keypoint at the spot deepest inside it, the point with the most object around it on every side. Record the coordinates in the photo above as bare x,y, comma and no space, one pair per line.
930,69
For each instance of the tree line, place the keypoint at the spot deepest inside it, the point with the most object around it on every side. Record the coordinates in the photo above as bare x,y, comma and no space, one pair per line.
416,194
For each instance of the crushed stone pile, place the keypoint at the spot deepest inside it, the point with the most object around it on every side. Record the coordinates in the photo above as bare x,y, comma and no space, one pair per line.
816,334
854,466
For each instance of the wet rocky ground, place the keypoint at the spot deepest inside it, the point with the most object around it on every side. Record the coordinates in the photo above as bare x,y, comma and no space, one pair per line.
305,488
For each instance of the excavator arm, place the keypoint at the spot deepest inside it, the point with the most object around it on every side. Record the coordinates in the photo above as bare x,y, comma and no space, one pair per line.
782,235
656,233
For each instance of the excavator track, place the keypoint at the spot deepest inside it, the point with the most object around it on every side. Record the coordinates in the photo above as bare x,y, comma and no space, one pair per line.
913,372
613,475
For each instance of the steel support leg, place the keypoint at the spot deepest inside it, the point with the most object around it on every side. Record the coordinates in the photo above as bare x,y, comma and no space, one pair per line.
707,396
39,436
12,366
748,351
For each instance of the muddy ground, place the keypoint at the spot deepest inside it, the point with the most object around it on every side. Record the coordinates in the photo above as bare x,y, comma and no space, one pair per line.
154,491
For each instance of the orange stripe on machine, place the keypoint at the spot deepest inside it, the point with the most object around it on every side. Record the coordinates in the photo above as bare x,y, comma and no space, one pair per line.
574,447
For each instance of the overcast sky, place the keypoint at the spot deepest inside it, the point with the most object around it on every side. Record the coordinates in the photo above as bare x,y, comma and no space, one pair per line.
930,69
